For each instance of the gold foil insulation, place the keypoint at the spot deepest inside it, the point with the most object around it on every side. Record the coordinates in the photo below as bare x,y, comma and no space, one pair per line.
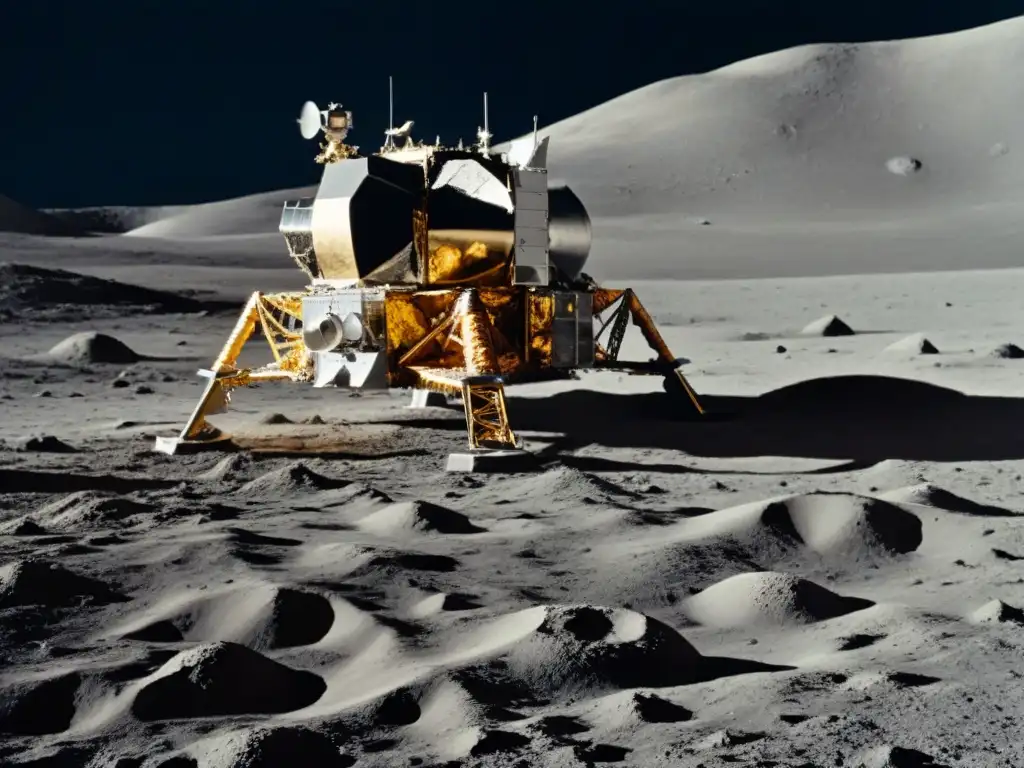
476,336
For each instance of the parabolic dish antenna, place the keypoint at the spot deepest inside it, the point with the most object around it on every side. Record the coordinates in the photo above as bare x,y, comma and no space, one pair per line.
309,120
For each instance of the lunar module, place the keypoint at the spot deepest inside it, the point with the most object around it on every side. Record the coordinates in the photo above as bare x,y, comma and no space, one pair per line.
456,270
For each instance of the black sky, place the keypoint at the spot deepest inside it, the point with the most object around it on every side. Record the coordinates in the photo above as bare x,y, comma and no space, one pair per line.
178,101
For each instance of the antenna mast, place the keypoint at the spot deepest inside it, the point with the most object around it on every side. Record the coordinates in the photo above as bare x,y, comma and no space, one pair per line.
535,132
484,134
389,140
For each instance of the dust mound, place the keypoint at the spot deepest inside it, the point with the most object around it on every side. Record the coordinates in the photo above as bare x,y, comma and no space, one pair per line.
997,612
22,526
567,483
767,598
42,583
39,707
829,524
441,601
224,679
228,467
1008,352
297,618
585,647
915,344
30,288
91,347
275,747
293,477
261,618
275,418
896,757
928,495
418,516
654,709
829,325
157,632
46,444
89,509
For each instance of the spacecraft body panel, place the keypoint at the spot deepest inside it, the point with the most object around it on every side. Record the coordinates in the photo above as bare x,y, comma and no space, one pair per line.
531,226
391,239
343,329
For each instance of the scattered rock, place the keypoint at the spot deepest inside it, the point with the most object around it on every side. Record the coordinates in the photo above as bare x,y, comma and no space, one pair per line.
896,757
781,350
46,444
903,165
91,348
275,418
144,389
997,612
654,709
915,344
830,325
1008,352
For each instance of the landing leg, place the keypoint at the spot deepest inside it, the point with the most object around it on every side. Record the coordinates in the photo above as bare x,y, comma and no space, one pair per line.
665,364
223,376
675,382
486,415
493,446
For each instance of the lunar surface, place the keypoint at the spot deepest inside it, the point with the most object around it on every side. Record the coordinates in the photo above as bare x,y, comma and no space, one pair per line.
827,570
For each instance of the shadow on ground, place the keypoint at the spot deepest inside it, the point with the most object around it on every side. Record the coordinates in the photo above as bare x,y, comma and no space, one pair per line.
861,419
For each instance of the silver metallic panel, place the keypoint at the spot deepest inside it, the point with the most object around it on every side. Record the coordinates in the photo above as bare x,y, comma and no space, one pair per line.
531,227
533,201
572,344
530,180
331,227
355,370
525,218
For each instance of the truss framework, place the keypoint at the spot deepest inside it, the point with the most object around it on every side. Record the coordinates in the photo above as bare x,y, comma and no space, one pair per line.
466,326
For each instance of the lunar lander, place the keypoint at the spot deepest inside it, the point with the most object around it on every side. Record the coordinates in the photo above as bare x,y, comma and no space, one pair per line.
448,269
